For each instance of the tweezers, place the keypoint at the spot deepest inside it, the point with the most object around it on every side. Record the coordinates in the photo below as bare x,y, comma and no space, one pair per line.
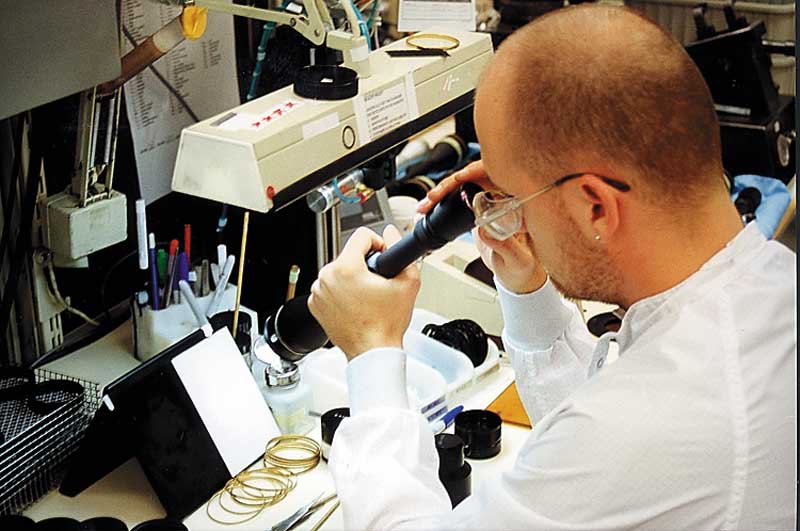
418,53
302,513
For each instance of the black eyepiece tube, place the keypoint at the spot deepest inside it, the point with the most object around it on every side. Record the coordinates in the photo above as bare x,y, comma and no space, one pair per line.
450,219
292,332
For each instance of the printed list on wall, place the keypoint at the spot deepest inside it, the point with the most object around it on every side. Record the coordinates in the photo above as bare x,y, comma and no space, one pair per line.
203,72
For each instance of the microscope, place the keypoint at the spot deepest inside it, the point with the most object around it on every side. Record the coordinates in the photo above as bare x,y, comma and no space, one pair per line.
757,124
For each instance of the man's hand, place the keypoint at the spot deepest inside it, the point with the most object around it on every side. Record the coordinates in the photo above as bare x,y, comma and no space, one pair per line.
472,172
358,309
513,260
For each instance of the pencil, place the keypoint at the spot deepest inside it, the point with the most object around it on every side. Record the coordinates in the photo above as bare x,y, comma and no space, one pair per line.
241,273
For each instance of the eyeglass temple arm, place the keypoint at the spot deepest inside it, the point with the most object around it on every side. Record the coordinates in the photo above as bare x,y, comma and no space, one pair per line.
622,187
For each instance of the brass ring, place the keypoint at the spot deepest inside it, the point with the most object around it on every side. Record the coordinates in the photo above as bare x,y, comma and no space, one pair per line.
272,454
454,43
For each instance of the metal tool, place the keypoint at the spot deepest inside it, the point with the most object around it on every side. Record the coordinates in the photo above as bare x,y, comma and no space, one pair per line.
304,513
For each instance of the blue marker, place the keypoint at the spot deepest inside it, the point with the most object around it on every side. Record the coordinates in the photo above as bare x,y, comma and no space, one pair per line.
447,419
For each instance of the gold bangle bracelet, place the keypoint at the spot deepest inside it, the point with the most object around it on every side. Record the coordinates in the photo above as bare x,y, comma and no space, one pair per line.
252,491
276,448
452,41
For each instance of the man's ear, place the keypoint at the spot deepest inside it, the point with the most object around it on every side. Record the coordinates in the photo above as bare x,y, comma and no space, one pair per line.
594,205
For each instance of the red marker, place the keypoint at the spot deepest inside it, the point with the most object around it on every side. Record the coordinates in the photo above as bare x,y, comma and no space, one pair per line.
187,241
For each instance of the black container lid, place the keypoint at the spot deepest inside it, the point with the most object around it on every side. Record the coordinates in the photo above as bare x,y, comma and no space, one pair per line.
326,82
103,523
17,522
480,430
330,421
57,524
160,525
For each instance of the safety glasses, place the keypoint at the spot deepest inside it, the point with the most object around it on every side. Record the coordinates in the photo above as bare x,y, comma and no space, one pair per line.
499,215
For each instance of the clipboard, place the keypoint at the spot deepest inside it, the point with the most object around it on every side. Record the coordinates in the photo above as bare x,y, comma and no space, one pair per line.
157,413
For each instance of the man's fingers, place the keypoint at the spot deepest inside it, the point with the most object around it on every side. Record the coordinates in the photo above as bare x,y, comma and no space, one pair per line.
391,235
512,251
472,172
360,243
438,192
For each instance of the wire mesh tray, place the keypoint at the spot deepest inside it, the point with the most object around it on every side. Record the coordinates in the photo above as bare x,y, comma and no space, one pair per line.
37,446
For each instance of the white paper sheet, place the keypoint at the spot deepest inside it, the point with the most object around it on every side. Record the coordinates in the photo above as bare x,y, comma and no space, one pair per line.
227,399
202,71
419,15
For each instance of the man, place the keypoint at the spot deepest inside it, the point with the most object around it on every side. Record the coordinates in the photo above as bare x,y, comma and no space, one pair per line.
693,427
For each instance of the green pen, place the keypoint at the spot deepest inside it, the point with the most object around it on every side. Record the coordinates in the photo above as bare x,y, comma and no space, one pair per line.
161,265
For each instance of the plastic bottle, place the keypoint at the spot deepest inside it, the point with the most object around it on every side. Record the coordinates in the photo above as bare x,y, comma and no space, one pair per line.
288,398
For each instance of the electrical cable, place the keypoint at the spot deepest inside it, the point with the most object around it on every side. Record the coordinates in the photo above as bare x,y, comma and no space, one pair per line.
362,24
371,19
10,197
23,238
261,54
57,295
163,80
71,345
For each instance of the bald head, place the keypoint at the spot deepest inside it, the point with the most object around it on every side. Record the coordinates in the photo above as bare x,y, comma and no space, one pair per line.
601,89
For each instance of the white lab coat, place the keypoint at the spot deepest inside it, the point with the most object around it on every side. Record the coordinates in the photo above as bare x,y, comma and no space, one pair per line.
694,427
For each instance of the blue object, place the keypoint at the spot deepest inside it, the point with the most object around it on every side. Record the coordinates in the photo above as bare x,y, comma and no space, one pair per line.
450,416
350,200
362,25
775,199
183,268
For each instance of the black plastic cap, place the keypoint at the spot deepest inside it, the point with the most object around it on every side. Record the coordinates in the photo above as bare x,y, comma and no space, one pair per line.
293,332
103,523
326,82
451,452
161,525
330,421
480,430
17,522
57,524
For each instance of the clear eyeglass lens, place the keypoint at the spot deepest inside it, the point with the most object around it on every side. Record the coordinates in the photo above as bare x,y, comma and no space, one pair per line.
494,213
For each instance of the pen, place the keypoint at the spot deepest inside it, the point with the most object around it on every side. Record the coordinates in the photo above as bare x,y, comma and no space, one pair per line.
153,273
173,254
222,256
197,272
215,273
192,301
141,231
172,274
205,285
447,419
221,285
294,274
183,270
187,241
161,263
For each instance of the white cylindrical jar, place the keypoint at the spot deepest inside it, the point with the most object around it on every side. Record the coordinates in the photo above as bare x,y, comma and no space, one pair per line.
288,398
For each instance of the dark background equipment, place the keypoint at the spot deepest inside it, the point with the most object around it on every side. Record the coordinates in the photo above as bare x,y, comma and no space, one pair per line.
747,202
757,124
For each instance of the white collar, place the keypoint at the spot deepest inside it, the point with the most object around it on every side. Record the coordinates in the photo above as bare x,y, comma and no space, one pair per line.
645,312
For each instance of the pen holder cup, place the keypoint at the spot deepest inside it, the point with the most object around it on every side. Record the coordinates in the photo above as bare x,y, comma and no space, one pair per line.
243,336
156,330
